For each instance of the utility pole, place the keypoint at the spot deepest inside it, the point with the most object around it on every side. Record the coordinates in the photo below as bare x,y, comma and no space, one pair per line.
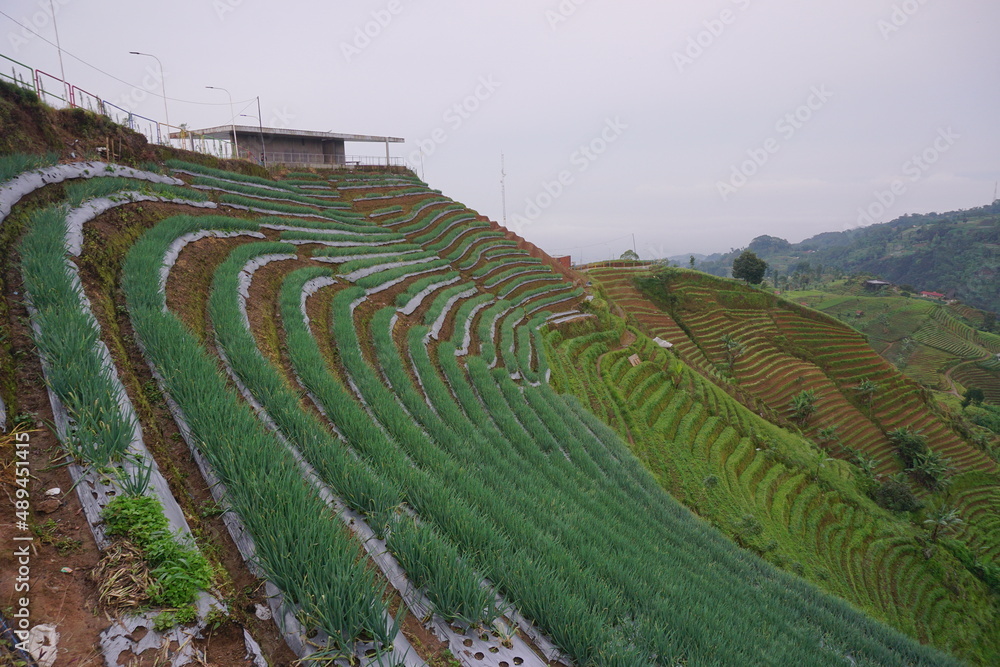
503,188
633,247
62,71
260,126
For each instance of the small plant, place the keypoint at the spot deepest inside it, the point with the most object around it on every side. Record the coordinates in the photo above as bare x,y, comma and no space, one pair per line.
48,534
216,618
134,482
505,632
168,619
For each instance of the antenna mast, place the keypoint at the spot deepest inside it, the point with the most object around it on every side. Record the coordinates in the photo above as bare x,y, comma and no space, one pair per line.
503,188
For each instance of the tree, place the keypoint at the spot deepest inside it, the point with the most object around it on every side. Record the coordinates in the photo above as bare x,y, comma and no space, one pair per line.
867,389
909,445
629,254
942,519
733,349
973,396
803,406
691,261
932,470
749,267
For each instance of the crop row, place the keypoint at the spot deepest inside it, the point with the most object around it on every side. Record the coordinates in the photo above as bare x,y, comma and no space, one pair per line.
299,545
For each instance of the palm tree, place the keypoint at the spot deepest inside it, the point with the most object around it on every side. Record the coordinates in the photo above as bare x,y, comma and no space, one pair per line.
828,434
943,519
867,389
733,349
803,406
933,469
868,466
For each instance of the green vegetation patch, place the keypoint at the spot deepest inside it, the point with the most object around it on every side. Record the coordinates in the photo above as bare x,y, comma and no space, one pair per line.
179,570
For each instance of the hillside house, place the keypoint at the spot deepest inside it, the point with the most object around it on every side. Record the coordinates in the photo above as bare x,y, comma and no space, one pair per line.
876,285
932,295
294,148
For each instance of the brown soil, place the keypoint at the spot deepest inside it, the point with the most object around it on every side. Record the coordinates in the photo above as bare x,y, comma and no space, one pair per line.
27,126
67,600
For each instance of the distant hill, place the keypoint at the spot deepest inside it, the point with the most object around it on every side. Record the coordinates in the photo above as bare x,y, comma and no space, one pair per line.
957,251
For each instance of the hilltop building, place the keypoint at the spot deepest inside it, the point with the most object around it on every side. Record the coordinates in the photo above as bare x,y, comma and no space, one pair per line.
295,148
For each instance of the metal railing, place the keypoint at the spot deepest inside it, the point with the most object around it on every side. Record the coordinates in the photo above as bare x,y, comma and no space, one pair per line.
20,74
156,132
314,159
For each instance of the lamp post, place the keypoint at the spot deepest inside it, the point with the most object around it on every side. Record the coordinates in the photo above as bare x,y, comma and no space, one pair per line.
163,88
261,127
232,117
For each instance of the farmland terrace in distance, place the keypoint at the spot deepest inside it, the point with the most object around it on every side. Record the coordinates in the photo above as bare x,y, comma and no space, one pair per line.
339,415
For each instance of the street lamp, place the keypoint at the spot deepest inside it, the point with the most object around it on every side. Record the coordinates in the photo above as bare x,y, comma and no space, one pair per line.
163,87
232,117
261,127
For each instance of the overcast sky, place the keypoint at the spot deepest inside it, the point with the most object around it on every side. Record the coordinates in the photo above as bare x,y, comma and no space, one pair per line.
694,125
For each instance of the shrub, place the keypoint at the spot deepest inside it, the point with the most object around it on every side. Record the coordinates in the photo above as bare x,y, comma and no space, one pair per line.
910,446
895,496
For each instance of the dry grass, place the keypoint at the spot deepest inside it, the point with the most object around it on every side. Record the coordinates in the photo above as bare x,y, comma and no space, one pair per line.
122,576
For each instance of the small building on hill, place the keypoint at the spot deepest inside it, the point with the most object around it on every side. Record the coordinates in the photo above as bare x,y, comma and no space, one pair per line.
294,148
876,285
932,295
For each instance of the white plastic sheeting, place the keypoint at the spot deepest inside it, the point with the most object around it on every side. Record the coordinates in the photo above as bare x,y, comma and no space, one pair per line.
439,322
12,191
92,208
414,303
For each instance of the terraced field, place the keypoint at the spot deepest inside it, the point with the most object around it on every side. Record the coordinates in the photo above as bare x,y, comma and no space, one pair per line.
934,344
769,490
786,350
358,367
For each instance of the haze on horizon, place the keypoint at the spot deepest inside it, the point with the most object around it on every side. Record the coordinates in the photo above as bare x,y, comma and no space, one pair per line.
695,126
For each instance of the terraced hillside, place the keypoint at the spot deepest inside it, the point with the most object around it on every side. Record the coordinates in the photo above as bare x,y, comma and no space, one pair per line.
355,365
936,344
773,492
779,350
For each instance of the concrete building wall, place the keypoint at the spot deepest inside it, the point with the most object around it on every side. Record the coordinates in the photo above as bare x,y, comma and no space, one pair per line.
283,148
